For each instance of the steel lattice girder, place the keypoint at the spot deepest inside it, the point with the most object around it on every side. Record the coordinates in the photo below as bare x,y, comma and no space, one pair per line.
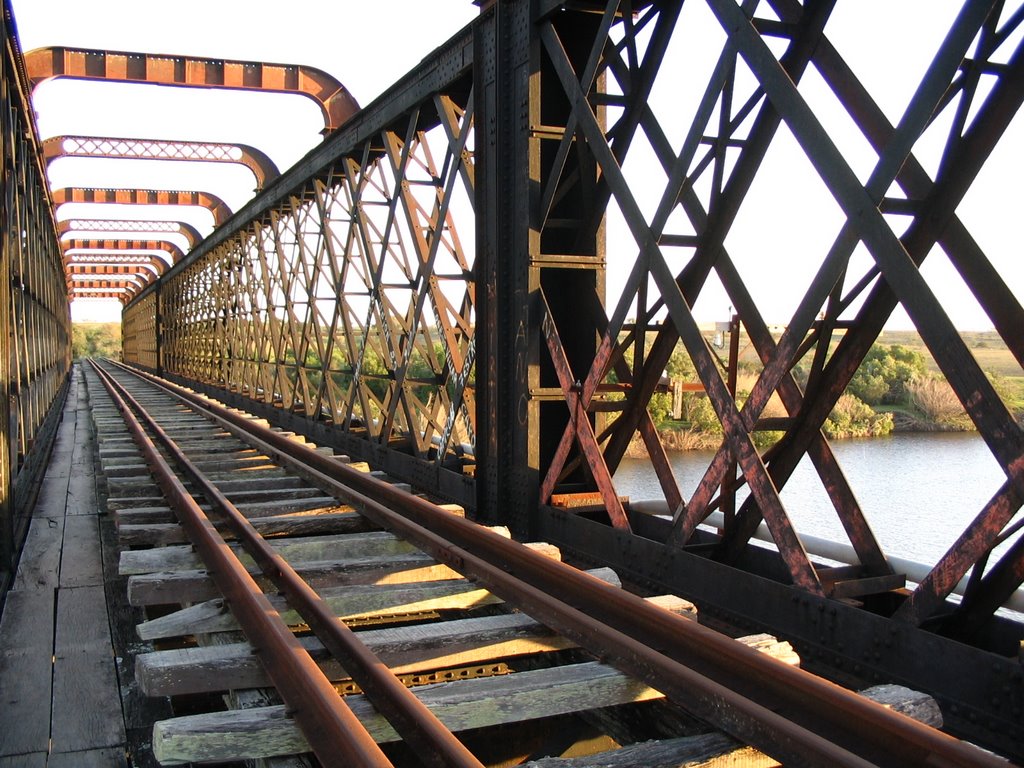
262,167
155,229
776,80
360,265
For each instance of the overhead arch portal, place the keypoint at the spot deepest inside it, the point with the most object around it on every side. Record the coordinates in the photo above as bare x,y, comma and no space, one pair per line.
157,229
333,98
174,253
214,204
262,167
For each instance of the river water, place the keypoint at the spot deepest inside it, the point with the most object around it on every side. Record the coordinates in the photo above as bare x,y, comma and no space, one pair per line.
918,490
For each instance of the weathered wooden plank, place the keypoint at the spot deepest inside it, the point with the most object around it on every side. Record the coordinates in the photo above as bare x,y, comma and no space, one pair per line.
86,699
349,602
193,586
467,704
33,760
80,560
39,567
26,653
315,505
295,551
53,496
294,524
915,704
710,750
82,494
92,758
772,646
716,750
404,649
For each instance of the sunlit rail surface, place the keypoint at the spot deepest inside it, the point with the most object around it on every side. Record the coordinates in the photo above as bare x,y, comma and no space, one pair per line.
477,282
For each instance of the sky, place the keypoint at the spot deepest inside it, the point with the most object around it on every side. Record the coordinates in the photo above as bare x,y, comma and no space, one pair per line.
780,235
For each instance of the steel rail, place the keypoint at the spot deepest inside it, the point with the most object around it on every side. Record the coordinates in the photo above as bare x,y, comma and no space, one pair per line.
412,719
324,718
787,713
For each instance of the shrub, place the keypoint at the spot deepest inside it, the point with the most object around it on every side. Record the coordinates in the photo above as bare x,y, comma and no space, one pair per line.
885,372
937,402
852,417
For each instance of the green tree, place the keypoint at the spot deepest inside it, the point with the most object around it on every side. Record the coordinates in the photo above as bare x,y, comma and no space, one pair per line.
885,373
96,340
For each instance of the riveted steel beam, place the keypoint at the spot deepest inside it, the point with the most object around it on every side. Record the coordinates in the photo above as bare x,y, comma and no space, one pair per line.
333,98
174,253
217,208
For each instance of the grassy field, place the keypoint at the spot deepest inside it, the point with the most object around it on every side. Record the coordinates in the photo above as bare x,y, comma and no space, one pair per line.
986,346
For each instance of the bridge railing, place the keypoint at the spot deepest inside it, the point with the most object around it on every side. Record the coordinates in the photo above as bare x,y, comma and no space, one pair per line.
344,293
34,310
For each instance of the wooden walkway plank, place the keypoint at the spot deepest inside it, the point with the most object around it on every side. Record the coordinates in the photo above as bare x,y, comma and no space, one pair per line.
34,760
26,653
467,704
81,563
39,566
86,697
93,758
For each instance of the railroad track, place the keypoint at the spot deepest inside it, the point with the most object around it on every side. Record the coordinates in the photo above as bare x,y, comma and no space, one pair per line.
257,543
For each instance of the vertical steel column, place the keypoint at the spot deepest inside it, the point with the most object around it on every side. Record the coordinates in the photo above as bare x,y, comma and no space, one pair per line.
507,445
6,470
529,248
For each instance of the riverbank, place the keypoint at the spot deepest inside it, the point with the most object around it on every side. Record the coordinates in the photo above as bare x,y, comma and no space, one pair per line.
686,439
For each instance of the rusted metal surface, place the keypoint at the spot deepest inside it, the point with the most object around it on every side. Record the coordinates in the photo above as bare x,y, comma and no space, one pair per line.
72,245
333,98
342,301
326,721
792,715
258,162
217,208
35,354
154,229
370,326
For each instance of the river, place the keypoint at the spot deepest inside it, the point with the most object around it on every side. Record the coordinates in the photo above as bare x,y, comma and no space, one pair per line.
918,490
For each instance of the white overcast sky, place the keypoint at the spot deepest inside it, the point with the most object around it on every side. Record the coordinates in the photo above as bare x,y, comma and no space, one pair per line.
783,230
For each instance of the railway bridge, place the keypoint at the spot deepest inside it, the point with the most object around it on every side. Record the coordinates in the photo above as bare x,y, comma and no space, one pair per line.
479,285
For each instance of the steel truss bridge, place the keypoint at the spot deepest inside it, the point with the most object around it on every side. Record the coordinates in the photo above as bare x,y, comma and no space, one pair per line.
430,289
